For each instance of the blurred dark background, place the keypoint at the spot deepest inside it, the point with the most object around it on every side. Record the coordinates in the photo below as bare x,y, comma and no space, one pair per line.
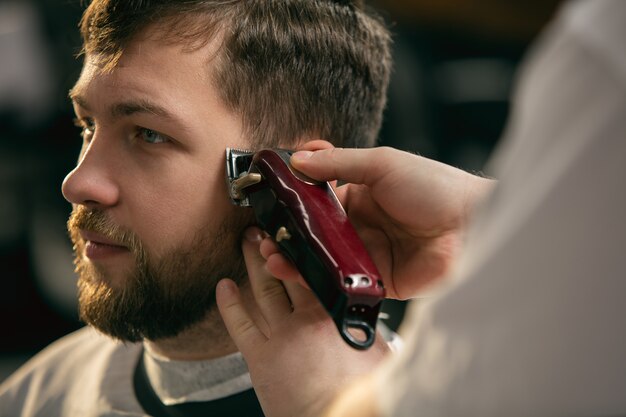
455,62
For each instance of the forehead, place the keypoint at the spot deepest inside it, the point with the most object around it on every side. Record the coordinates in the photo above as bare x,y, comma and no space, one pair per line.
152,75
149,65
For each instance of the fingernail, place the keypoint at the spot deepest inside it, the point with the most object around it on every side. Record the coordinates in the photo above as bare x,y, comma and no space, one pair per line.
226,285
253,234
226,291
302,155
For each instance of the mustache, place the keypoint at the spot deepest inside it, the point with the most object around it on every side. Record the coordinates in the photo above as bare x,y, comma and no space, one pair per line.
97,221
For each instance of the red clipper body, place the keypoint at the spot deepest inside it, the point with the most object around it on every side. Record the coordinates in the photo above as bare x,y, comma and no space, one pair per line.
312,229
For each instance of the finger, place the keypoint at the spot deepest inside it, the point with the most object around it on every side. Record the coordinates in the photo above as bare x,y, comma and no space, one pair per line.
269,293
300,296
249,302
315,145
357,166
278,265
268,247
239,324
284,269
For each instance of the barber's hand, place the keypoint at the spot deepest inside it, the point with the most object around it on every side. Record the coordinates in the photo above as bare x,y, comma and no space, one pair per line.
410,211
298,362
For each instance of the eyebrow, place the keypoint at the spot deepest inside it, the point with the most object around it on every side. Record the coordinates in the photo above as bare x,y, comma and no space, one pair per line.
127,108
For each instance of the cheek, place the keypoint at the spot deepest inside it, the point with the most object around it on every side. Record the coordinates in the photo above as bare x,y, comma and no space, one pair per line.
175,211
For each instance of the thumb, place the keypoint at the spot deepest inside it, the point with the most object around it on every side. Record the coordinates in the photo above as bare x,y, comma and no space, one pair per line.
357,166
242,329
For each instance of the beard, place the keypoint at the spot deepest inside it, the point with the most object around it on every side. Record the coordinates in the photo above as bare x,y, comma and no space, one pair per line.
158,297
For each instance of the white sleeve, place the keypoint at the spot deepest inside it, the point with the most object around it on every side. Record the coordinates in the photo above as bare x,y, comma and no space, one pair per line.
532,323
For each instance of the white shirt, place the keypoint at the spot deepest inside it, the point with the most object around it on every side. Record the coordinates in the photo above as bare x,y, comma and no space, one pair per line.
533,322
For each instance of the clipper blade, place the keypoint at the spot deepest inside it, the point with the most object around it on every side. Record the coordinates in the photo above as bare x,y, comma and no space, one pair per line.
237,177
237,162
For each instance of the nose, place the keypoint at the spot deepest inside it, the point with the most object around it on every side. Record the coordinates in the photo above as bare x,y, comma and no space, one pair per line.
92,183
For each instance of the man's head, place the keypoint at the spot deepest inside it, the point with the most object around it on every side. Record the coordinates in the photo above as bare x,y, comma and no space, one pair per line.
166,87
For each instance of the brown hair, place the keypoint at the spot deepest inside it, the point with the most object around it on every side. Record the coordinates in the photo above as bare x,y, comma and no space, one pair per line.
290,68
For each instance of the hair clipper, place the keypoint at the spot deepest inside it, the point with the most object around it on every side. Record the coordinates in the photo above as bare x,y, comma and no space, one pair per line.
312,229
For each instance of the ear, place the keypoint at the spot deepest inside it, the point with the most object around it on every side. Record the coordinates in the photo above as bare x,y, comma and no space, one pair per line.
314,145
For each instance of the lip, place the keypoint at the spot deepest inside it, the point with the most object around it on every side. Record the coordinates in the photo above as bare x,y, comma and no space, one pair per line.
100,247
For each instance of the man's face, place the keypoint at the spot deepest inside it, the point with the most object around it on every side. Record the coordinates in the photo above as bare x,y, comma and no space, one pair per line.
152,225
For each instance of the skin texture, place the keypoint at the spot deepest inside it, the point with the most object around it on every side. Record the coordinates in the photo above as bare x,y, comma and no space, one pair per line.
410,212
167,184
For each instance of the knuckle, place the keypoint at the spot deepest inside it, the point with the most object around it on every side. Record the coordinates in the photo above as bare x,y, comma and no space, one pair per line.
272,291
243,326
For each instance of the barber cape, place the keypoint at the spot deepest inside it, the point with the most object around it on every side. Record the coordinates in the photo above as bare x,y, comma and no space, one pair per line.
89,374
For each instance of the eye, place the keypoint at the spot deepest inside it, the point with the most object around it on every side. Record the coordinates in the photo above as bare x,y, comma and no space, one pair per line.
87,127
151,136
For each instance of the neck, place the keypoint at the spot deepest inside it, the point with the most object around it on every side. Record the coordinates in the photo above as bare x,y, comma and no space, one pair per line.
205,340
